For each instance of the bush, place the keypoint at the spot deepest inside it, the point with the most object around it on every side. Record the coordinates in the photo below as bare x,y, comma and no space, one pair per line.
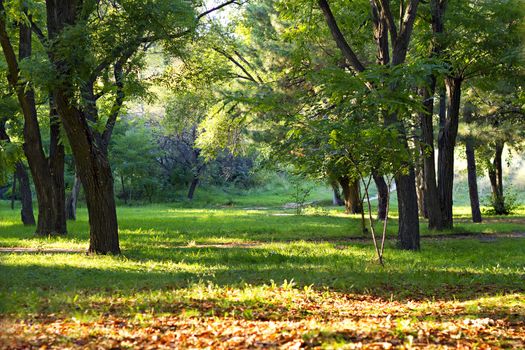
502,205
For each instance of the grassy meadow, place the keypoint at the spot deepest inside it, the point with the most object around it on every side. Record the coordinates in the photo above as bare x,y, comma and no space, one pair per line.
244,273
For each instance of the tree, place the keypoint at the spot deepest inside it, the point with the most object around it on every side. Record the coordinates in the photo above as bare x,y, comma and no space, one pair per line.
472,40
47,172
385,27
471,166
86,42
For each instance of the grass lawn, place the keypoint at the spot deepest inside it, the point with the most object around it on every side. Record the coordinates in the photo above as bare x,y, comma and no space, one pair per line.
232,277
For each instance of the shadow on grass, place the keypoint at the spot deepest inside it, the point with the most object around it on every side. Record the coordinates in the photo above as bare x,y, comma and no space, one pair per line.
36,289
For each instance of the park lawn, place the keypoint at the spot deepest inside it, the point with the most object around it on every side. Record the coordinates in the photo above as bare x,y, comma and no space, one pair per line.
172,225
235,277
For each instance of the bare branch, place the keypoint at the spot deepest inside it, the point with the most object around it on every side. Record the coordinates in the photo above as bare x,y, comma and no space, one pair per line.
216,8
237,63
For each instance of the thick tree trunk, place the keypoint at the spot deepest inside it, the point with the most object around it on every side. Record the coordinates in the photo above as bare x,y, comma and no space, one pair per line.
471,169
72,199
351,195
408,233
193,186
447,144
97,180
382,195
91,161
28,218
56,166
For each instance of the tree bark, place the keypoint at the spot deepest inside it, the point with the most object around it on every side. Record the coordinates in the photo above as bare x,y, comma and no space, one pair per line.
496,179
420,188
498,166
351,195
382,195
56,166
26,198
193,186
408,232
471,168
91,162
96,176
447,144
72,199
13,192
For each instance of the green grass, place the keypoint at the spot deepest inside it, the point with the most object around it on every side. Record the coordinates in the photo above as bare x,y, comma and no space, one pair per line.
254,264
69,283
173,225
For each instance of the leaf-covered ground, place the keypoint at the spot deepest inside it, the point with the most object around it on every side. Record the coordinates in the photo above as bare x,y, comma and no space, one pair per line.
288,318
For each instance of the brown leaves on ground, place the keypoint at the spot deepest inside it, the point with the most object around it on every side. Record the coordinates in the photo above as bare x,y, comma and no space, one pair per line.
294,319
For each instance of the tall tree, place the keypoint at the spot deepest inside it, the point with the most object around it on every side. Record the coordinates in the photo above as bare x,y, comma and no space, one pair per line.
471,166
385,28
47,172
88,42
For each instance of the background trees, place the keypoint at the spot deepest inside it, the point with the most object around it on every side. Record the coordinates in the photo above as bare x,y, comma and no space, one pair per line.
319,86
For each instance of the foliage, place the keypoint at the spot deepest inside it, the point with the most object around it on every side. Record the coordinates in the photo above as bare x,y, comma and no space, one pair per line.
301,190
502,205
133,156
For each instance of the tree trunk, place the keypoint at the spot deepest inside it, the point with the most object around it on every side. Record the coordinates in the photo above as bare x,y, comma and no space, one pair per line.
96,176
26,213
13,192
72,199
408,232
471,169
193,186
382,195
420,188
498,166
446,144
56,166
430,189
432,206
351,195
91,162
496,179
336,198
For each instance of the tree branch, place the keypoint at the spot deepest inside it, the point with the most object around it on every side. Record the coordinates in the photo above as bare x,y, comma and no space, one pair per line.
234,61
216,8
389,19
339,38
